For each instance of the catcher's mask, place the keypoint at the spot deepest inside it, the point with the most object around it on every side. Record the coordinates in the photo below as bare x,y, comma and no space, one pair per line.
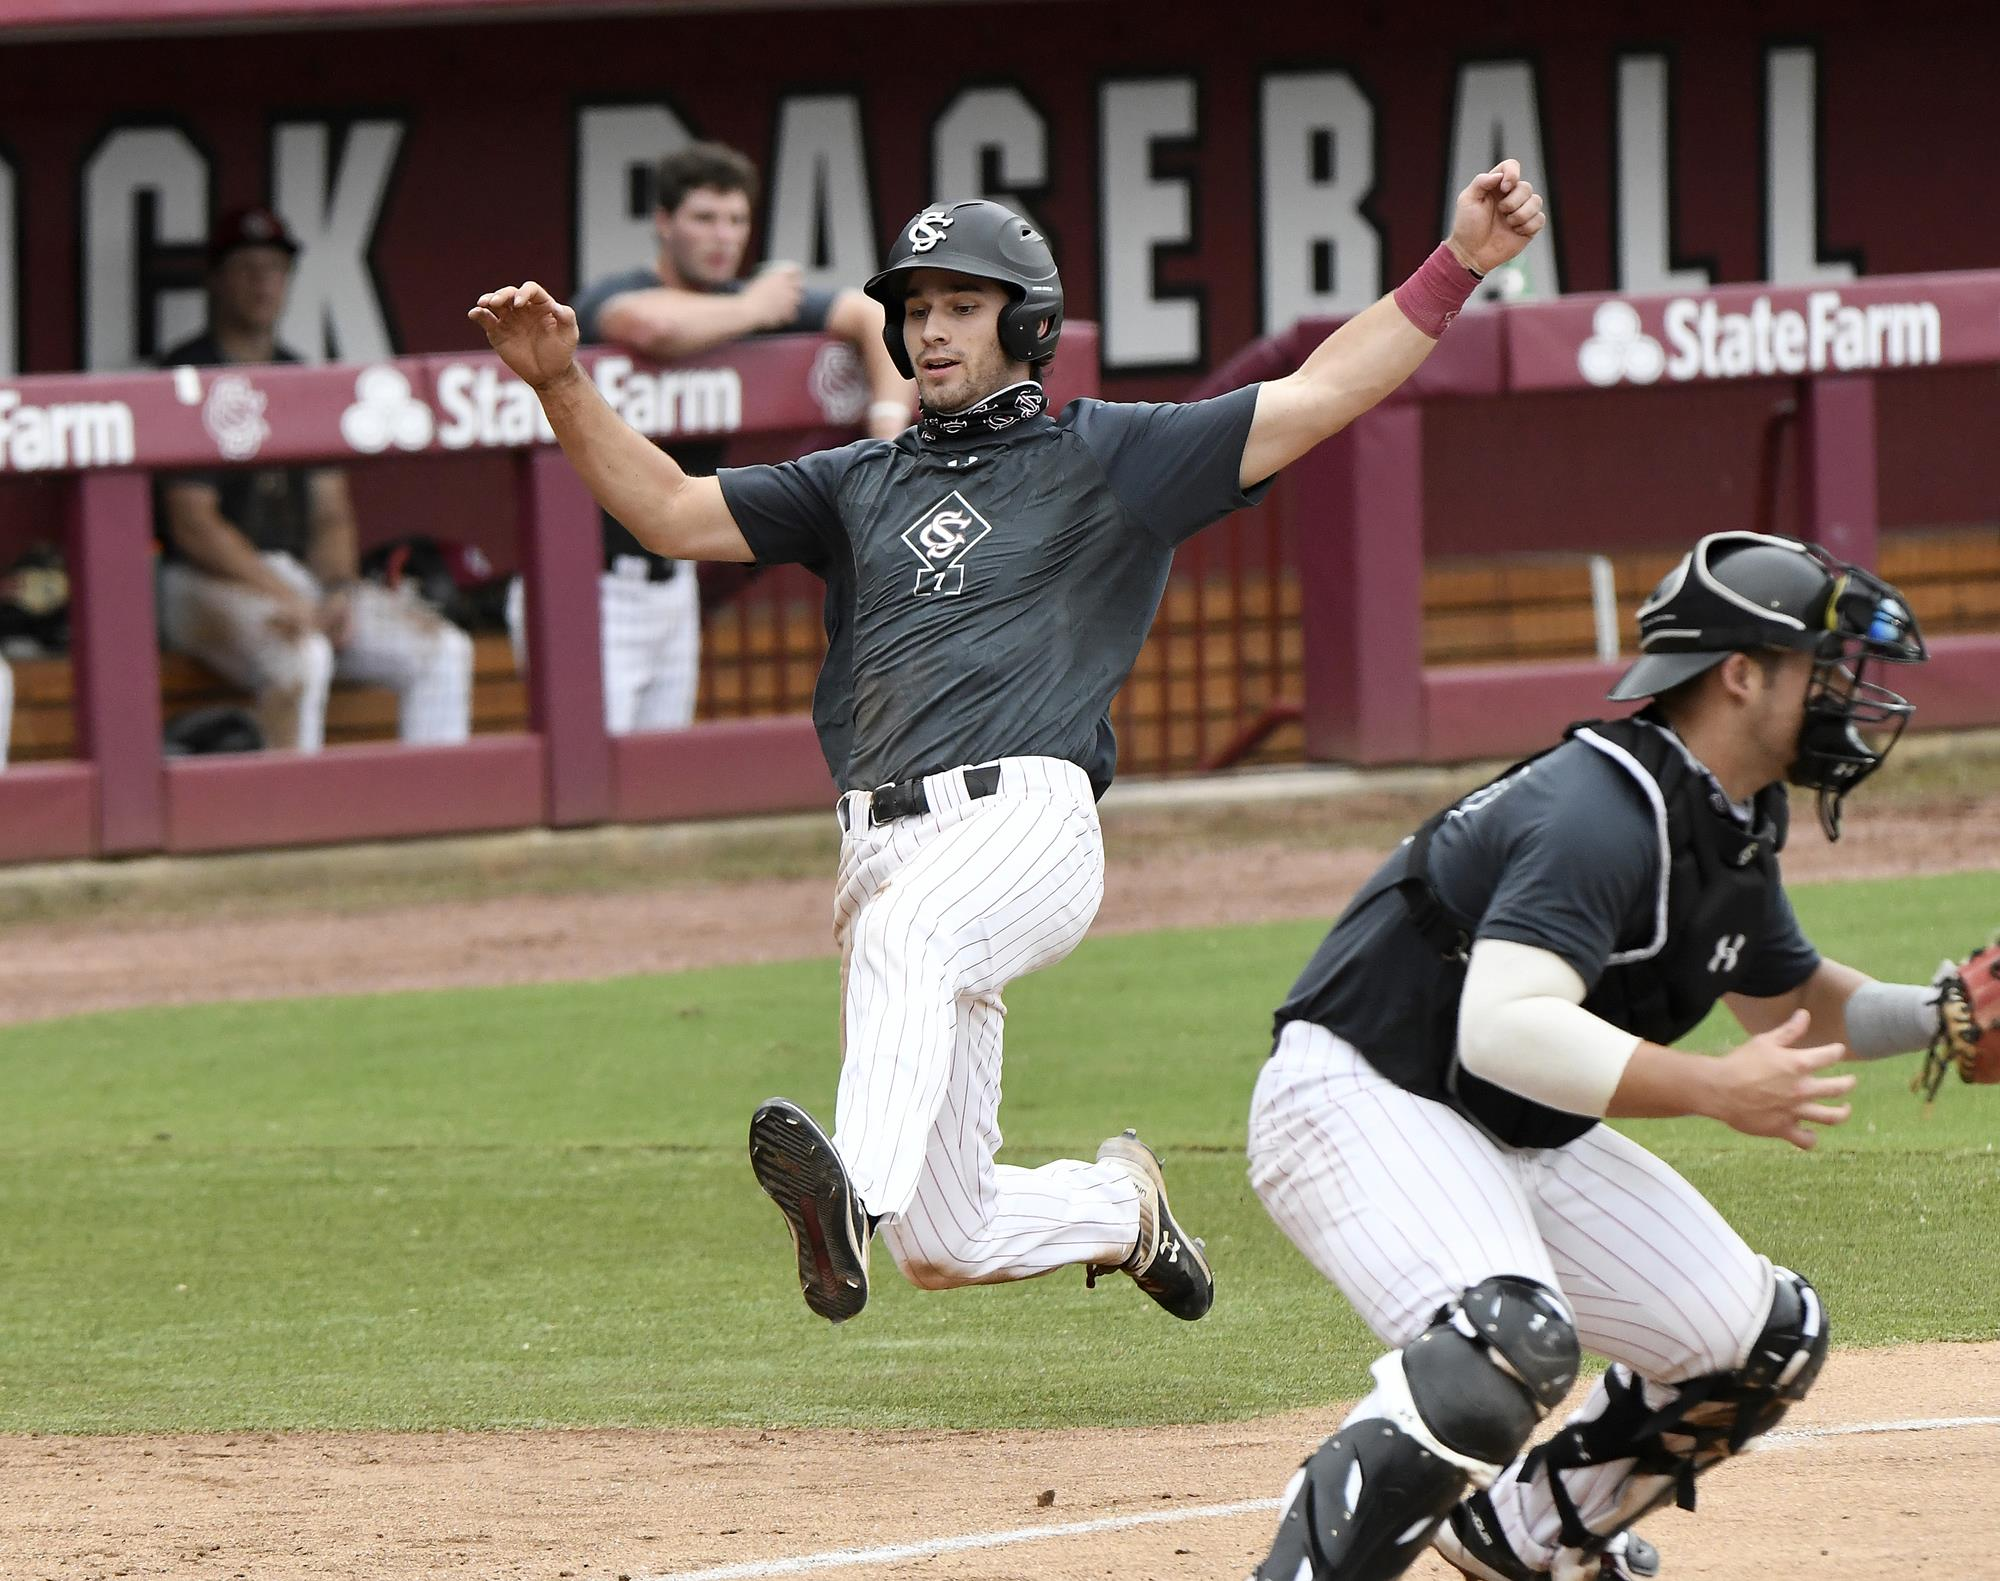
992,242
1738,592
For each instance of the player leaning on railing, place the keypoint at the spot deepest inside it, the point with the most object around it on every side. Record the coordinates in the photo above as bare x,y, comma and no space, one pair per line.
991,574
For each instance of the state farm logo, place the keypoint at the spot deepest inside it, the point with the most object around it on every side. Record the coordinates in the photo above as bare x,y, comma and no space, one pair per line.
64,434
385,412
1701,341
482,405
1619,349
941,538
233,414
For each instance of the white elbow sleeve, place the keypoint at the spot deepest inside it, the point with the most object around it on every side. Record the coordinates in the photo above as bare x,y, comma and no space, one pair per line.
1522,1026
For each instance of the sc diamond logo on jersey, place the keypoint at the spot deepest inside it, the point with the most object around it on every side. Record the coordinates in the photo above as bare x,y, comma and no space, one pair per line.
941,538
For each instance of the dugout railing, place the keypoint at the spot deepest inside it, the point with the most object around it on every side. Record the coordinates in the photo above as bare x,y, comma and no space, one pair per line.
98,440
1299,629
1596,423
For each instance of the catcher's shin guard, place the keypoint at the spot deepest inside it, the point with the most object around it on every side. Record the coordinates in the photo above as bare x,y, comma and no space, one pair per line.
1446,1412
1702,1423
1362,1507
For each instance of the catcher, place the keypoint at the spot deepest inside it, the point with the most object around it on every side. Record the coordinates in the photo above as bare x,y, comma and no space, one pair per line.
1427,1128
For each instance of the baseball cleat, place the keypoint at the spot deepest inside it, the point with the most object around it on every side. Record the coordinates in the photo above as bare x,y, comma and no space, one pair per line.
1471,1542
799,1170
1166,1263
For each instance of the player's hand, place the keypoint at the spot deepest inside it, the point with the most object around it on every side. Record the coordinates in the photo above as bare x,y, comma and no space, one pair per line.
774,294
533,332
1497,215
293,615
1769,1086
336,616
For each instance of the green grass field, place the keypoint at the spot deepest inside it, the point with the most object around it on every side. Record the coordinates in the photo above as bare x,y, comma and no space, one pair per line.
531,1207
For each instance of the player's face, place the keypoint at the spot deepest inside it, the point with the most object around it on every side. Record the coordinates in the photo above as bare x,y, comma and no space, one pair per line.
247,289
951,328
706,237
1777,713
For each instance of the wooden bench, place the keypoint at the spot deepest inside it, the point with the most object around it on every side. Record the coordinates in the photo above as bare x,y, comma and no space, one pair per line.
45,723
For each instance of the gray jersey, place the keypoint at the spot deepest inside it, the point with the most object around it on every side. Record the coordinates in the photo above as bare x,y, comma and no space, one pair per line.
988,594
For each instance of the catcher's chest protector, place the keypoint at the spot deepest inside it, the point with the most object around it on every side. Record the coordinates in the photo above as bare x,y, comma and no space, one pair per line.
1721,882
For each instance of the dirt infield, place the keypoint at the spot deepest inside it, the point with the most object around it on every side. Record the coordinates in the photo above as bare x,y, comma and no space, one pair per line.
1838,1506
1165,870
594,1506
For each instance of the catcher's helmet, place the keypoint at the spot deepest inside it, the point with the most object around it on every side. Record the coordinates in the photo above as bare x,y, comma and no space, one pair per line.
987,239
1740,592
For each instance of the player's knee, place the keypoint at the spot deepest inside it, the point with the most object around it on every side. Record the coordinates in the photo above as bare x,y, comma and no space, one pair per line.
931,1261
1497,1361
1785,1357
1362,1507
299,667
1447,1411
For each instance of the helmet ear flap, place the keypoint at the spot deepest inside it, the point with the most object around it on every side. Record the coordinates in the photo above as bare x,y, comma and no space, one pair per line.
892,337
1029,330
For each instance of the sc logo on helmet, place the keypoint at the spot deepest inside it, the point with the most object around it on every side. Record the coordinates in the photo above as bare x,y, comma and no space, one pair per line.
928,229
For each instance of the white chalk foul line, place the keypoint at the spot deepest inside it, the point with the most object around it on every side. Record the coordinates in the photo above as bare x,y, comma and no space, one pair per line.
841,1558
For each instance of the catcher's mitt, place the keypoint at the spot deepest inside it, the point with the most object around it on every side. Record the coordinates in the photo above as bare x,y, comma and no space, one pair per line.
1968,1023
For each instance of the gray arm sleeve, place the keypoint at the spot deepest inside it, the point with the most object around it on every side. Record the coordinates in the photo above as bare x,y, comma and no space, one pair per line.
1891,1018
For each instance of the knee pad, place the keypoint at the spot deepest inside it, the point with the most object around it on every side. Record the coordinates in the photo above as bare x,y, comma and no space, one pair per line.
1362,1507
1448,1411
1496,1362
1705,1421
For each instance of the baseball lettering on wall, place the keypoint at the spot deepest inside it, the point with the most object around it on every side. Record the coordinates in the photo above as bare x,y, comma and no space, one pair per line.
1141,212
1321,255
328,181
1211,199
991,143
616,148
1644,252
145,198
821,215
10,285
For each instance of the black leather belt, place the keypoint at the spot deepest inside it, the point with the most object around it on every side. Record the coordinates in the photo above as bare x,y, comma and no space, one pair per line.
909,799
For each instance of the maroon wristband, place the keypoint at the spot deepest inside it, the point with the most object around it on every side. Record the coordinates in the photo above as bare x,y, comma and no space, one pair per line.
1431,298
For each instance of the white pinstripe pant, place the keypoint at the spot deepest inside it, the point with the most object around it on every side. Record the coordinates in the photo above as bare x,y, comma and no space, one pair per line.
1403,1204
934,915
649,644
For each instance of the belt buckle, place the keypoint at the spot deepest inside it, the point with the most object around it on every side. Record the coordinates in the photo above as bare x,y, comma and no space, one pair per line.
891,802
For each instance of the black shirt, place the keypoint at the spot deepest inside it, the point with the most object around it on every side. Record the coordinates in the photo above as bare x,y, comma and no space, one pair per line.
1567,854
271,506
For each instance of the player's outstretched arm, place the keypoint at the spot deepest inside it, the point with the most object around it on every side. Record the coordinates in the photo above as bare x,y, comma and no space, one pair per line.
1356,366
1768,1086
669,512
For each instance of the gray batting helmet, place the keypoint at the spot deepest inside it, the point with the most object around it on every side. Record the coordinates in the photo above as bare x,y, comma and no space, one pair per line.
986,239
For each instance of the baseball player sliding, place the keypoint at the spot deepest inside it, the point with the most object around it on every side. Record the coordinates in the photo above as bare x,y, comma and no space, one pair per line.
991,574
1426,1130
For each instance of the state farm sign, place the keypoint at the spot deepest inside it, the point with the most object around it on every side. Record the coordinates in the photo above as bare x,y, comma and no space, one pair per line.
1701,340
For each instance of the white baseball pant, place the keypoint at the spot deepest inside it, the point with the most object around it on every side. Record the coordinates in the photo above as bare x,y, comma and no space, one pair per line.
934,914
1403,1203
6,710
650,644
393,641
